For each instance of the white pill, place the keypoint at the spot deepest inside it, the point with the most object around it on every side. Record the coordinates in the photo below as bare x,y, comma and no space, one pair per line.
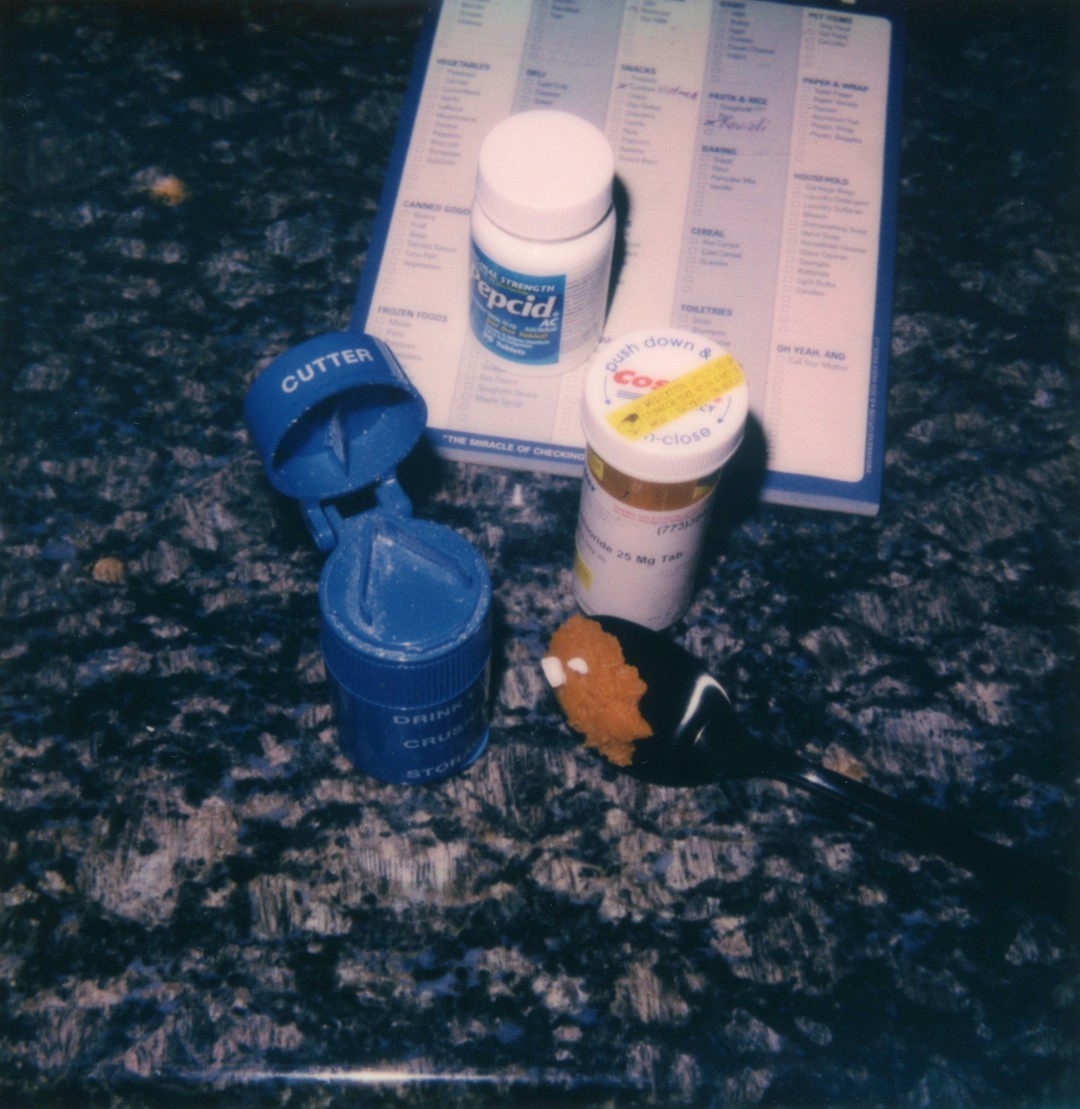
553,671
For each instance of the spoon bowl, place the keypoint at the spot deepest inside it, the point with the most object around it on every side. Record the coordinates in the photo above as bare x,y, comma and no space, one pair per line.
697,739
697,736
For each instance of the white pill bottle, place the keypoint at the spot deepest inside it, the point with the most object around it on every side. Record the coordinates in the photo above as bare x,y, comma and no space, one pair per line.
543,231
663,410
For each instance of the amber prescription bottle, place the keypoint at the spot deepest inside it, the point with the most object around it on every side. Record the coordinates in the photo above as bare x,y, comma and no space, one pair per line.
662,411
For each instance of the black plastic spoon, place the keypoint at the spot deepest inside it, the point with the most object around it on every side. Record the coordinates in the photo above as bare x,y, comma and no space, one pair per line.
697,738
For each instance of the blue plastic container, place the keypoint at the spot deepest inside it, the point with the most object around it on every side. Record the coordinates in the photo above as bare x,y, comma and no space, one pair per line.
405,604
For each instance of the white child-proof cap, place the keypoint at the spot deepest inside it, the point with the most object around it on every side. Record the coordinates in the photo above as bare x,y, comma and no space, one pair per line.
664,405
545,175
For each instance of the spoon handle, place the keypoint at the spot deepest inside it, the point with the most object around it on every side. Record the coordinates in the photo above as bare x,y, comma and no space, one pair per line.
1004,869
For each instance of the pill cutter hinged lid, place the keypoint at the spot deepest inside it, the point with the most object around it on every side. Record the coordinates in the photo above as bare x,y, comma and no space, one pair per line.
330,417
405,603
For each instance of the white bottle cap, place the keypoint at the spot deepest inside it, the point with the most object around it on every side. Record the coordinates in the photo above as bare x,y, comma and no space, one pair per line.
664,405
545,175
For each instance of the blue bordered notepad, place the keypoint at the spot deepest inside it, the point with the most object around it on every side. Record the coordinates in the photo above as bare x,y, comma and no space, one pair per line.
757,146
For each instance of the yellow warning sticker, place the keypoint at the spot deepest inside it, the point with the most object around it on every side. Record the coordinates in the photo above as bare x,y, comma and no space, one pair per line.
651,411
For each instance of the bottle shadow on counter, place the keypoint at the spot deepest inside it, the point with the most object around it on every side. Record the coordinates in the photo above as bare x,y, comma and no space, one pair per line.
738,494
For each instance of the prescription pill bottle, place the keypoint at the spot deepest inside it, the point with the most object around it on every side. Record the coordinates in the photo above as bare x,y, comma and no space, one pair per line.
662,410
542,232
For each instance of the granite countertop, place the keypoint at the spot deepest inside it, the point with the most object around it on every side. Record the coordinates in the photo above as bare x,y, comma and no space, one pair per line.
200,896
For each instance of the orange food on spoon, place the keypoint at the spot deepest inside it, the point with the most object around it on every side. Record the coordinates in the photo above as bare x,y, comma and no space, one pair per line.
597,689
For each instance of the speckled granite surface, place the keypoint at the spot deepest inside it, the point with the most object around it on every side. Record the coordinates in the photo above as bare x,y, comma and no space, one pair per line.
200,897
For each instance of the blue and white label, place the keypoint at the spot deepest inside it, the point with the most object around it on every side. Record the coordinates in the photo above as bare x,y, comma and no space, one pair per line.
410,744
516,316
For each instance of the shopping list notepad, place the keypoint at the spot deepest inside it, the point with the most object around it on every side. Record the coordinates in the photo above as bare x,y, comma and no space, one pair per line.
756,146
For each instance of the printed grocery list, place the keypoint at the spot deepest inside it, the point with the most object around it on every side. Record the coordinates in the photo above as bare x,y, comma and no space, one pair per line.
753,143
